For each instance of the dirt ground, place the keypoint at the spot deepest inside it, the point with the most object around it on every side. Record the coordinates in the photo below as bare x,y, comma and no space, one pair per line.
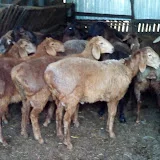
90,140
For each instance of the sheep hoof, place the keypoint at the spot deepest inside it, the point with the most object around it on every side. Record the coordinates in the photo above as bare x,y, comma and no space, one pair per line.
112,135
24,134
3,141
69,145
60,136
41,141
5,121
76,124
122,119
46,123
137,122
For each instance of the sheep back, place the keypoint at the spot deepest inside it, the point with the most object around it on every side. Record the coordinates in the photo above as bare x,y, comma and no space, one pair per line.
97,80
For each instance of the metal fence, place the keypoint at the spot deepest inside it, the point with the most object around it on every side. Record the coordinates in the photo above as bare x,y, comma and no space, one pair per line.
46,19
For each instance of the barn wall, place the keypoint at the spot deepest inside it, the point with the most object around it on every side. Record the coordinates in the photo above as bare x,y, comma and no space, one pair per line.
147,9
143,9
120,7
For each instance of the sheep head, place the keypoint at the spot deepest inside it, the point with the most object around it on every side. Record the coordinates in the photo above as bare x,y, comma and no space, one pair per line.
52,46
157,40
153,59
5,42
148,57
99,46
132,40
25,47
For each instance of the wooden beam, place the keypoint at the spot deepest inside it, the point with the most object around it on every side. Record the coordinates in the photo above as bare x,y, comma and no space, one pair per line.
132,9
102,15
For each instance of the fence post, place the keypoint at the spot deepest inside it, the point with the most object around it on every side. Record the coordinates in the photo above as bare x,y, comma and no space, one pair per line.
133,25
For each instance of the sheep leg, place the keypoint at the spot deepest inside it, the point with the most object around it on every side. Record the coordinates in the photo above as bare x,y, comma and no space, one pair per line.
25,117
3,110
34,119
158,99
59,114
137,92
4,119
112,109
75,117
70,108
121,104
67,121
138,111
101,111
2,140
49,114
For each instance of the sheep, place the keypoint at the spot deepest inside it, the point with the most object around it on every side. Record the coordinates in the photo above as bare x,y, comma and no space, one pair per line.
21,49
149,79
6,42
8,92
34,90
74,46
98,28
75,80
132,40
72,31
148,41
20,32
17,50
102,29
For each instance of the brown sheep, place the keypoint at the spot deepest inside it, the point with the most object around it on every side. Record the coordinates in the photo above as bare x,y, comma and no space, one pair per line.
75,80
148,80
8,92
20,49
33,89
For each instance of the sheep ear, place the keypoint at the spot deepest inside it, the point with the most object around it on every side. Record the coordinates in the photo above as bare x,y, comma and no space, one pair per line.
22,53
51,51
156,40
96,52
126,37
142,64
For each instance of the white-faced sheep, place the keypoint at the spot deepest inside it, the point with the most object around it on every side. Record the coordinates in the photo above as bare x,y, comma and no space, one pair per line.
75,80
33,88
